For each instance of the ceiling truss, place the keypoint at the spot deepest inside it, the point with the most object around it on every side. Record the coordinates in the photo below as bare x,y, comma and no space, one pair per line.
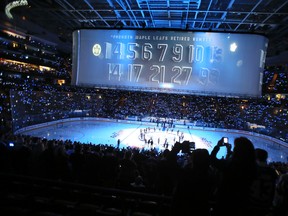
248,16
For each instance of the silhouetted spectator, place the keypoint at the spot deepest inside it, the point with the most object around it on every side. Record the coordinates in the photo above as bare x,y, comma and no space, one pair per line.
195,186
127,170
237,176
109,168
92,166
21,156
62,166
167,172
5,158
77,163
46,161
281,196
263,188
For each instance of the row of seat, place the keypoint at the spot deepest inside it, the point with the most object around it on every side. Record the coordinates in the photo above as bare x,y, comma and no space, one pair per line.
22,195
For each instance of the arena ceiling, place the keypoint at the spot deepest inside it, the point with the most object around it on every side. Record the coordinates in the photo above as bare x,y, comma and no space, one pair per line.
61,17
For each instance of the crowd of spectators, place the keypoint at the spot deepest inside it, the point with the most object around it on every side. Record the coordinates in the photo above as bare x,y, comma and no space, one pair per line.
197,181
32,107
28,50
275,80
22,57
30,69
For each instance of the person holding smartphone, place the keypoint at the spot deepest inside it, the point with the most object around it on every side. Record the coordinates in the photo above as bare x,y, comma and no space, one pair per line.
223,143
237,173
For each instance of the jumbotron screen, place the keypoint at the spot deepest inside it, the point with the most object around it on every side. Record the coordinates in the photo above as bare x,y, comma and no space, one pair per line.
207,63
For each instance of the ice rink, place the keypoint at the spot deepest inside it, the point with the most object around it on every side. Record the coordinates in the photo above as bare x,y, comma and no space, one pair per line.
134,134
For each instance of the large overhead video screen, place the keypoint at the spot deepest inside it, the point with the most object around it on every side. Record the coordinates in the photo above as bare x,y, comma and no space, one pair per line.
170,61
